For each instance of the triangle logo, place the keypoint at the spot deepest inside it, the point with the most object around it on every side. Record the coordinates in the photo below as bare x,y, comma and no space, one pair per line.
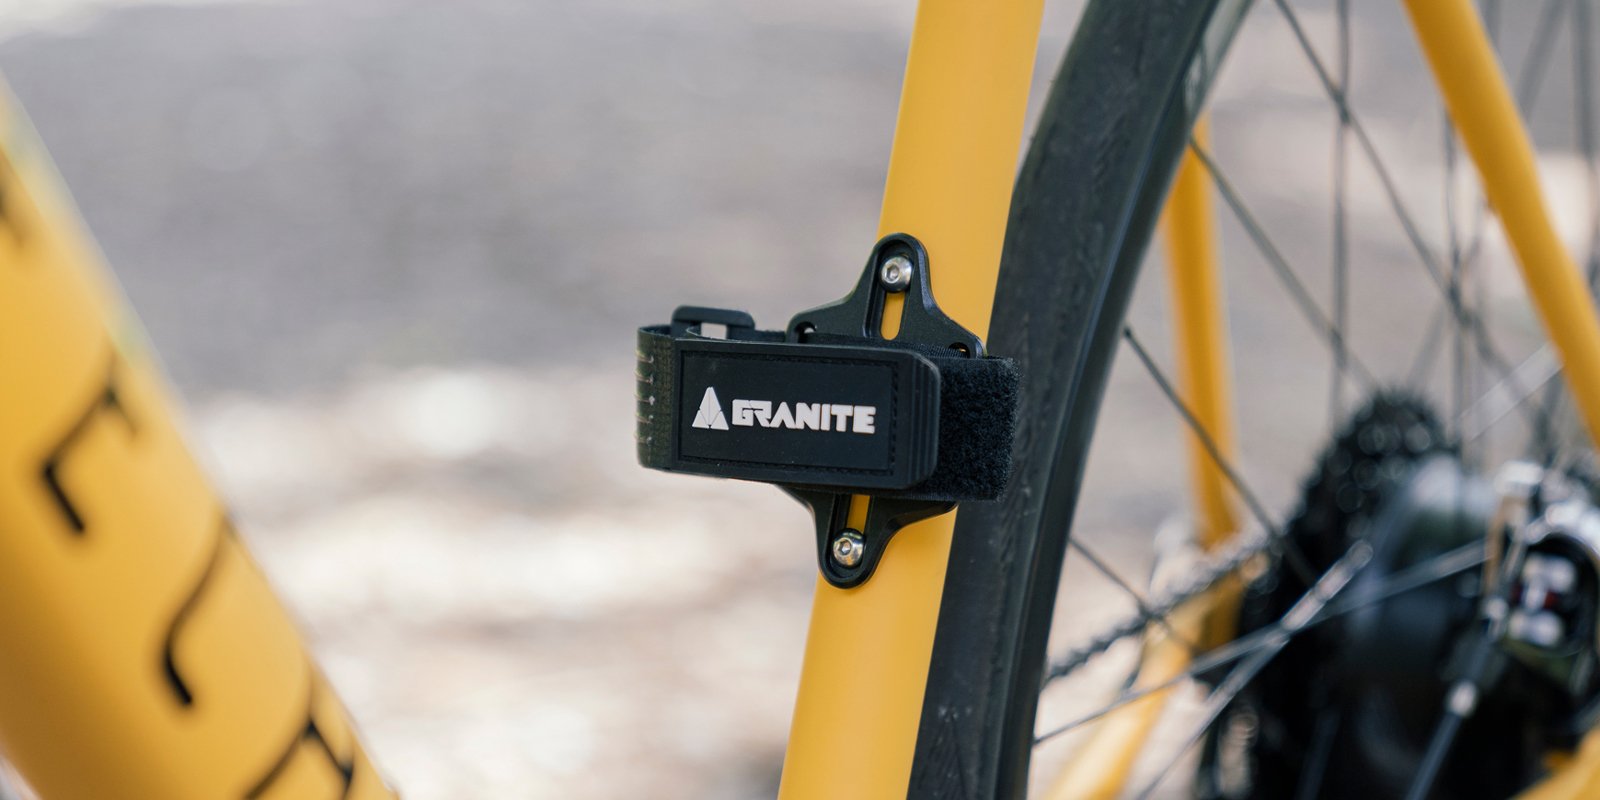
710,414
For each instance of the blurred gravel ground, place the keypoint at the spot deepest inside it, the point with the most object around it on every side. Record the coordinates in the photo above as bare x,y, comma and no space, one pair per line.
393,252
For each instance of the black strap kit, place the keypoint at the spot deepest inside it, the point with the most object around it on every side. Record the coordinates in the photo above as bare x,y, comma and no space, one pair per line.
828,409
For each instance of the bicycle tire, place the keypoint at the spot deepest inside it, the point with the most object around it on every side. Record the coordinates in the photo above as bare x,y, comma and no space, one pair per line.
1087,198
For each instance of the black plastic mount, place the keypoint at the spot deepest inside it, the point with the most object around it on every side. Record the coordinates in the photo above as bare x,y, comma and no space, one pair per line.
860,316
830,411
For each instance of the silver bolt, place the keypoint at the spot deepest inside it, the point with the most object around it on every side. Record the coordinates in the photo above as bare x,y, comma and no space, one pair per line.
895,274
848,547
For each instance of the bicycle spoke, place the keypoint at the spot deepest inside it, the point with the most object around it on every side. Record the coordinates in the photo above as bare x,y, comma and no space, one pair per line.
1527,99
1430,263
1422,362
1534,373
1319,754
1444,735
1341,253
1484,386
1531,75
1537,59
1462,699
1385,178
1554,396
1583,71
1336,94
1458,371
1240,677
1100,565
1297,288
1445,565
1237,552
1299,616
1546,450
1530,80
1281,546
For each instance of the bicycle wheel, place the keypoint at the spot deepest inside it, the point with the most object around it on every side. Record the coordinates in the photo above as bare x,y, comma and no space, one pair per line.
1112,132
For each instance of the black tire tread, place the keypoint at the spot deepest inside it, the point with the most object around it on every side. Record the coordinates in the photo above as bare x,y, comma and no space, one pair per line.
1089,192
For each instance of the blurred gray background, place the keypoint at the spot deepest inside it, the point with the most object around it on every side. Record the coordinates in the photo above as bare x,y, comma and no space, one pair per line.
392,253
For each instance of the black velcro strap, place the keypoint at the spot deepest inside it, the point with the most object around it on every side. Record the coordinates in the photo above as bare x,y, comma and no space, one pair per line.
834,413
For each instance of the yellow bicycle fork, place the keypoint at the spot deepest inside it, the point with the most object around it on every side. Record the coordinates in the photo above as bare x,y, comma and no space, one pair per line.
145,655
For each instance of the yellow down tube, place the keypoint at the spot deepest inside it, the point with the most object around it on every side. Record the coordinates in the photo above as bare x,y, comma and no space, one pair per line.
1481,107
142,655
1102,764
950,178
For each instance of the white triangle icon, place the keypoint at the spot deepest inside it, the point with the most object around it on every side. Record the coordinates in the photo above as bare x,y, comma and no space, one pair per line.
710,414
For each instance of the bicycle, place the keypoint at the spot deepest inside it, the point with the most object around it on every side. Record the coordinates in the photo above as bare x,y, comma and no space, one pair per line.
923,677
966,648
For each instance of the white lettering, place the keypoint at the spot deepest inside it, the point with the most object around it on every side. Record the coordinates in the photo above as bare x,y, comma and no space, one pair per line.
783,418
808,415
864,419
749,412
841,415
800,416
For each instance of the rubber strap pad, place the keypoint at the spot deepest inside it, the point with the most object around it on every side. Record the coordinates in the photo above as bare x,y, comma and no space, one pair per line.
859,415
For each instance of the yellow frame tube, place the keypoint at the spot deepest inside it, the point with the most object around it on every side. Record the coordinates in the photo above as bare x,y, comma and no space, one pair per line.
1200,331
145,655
1102,764
950,178
1485,114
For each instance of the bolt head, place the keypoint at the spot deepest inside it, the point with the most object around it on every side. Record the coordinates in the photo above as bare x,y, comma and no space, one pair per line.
895,274
848,547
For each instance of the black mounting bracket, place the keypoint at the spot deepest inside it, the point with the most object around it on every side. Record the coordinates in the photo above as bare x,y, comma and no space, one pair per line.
885,517
858,316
